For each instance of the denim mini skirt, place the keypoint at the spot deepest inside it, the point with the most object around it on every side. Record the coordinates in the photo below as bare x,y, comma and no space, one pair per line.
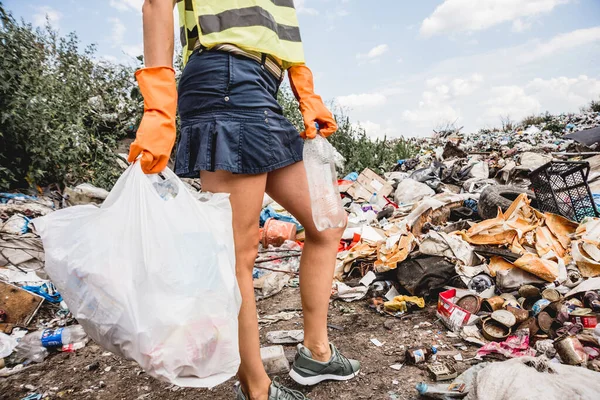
230,118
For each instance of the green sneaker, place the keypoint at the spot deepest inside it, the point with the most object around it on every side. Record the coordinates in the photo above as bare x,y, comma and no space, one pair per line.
276,392
307,371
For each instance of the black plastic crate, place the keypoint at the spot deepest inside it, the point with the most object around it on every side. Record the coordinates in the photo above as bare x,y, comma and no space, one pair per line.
561,188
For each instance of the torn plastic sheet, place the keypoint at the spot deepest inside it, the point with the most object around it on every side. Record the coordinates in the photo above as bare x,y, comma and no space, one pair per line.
344,292
516,345
451,246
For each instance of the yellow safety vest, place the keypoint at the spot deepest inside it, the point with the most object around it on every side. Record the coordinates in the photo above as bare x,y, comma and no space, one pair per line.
265,26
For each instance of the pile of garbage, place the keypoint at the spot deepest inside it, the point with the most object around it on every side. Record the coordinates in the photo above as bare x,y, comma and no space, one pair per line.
456,228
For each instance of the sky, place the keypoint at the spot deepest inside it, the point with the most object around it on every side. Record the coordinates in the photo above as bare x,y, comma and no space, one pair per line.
405,68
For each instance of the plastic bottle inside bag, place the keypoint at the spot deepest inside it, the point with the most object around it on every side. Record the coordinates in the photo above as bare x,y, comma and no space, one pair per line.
325,198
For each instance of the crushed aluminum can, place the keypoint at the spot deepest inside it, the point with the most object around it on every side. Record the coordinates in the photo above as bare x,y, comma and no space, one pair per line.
544,321
539,306
571,351
592,300
528,302
520,314
492,304
529,291
529,324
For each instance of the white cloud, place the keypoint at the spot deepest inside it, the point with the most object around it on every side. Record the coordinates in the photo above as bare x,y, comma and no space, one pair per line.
374,130
375,52
54,16
520,25
118,31
563,94
562,42
556,95
511,101
302,9
361,100
133,50
468,16
466,86
439,102
109,58
127,5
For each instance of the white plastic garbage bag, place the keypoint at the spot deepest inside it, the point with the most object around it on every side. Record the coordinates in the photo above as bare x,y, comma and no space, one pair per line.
534,379
410,191
151,276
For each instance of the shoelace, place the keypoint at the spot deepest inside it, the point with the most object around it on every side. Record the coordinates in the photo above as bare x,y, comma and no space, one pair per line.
344,360
295,394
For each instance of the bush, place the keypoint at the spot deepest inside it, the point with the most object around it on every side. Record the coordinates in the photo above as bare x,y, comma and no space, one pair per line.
532,120
62,111
352,142
594,106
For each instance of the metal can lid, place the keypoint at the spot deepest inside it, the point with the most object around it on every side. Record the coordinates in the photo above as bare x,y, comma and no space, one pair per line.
551,294
470,303
580,312
494,330
504,317
544,321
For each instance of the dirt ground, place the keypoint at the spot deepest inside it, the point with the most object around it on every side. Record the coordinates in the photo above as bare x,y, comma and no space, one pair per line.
92,373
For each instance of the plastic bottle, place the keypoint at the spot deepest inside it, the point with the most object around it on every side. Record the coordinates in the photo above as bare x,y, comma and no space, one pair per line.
417,355
374,200
325,198
441,391
34,346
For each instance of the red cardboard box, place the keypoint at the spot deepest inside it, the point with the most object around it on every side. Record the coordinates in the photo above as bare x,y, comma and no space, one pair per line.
453,316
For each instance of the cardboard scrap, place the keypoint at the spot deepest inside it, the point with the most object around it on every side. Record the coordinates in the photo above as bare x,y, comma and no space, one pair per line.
586,249
498,264
542,240
388,258
542,268
19,304
369,182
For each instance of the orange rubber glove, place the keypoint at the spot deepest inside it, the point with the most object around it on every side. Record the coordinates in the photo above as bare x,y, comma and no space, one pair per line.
155,136
311,105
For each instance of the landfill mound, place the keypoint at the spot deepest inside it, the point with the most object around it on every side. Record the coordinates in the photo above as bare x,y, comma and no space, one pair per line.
477,258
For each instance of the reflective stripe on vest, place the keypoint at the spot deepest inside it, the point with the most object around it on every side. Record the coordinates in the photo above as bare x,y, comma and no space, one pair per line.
264,26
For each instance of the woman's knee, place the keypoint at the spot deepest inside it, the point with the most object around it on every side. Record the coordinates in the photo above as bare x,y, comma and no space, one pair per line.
246,249
328,236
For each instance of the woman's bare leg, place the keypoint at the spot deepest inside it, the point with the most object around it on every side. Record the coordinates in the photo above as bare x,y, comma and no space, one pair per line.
246,195
289,187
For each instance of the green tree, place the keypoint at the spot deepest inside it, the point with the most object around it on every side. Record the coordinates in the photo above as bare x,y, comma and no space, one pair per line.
352,141
62,111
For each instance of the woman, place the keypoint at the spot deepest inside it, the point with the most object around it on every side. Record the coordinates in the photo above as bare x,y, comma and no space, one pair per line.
234,134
